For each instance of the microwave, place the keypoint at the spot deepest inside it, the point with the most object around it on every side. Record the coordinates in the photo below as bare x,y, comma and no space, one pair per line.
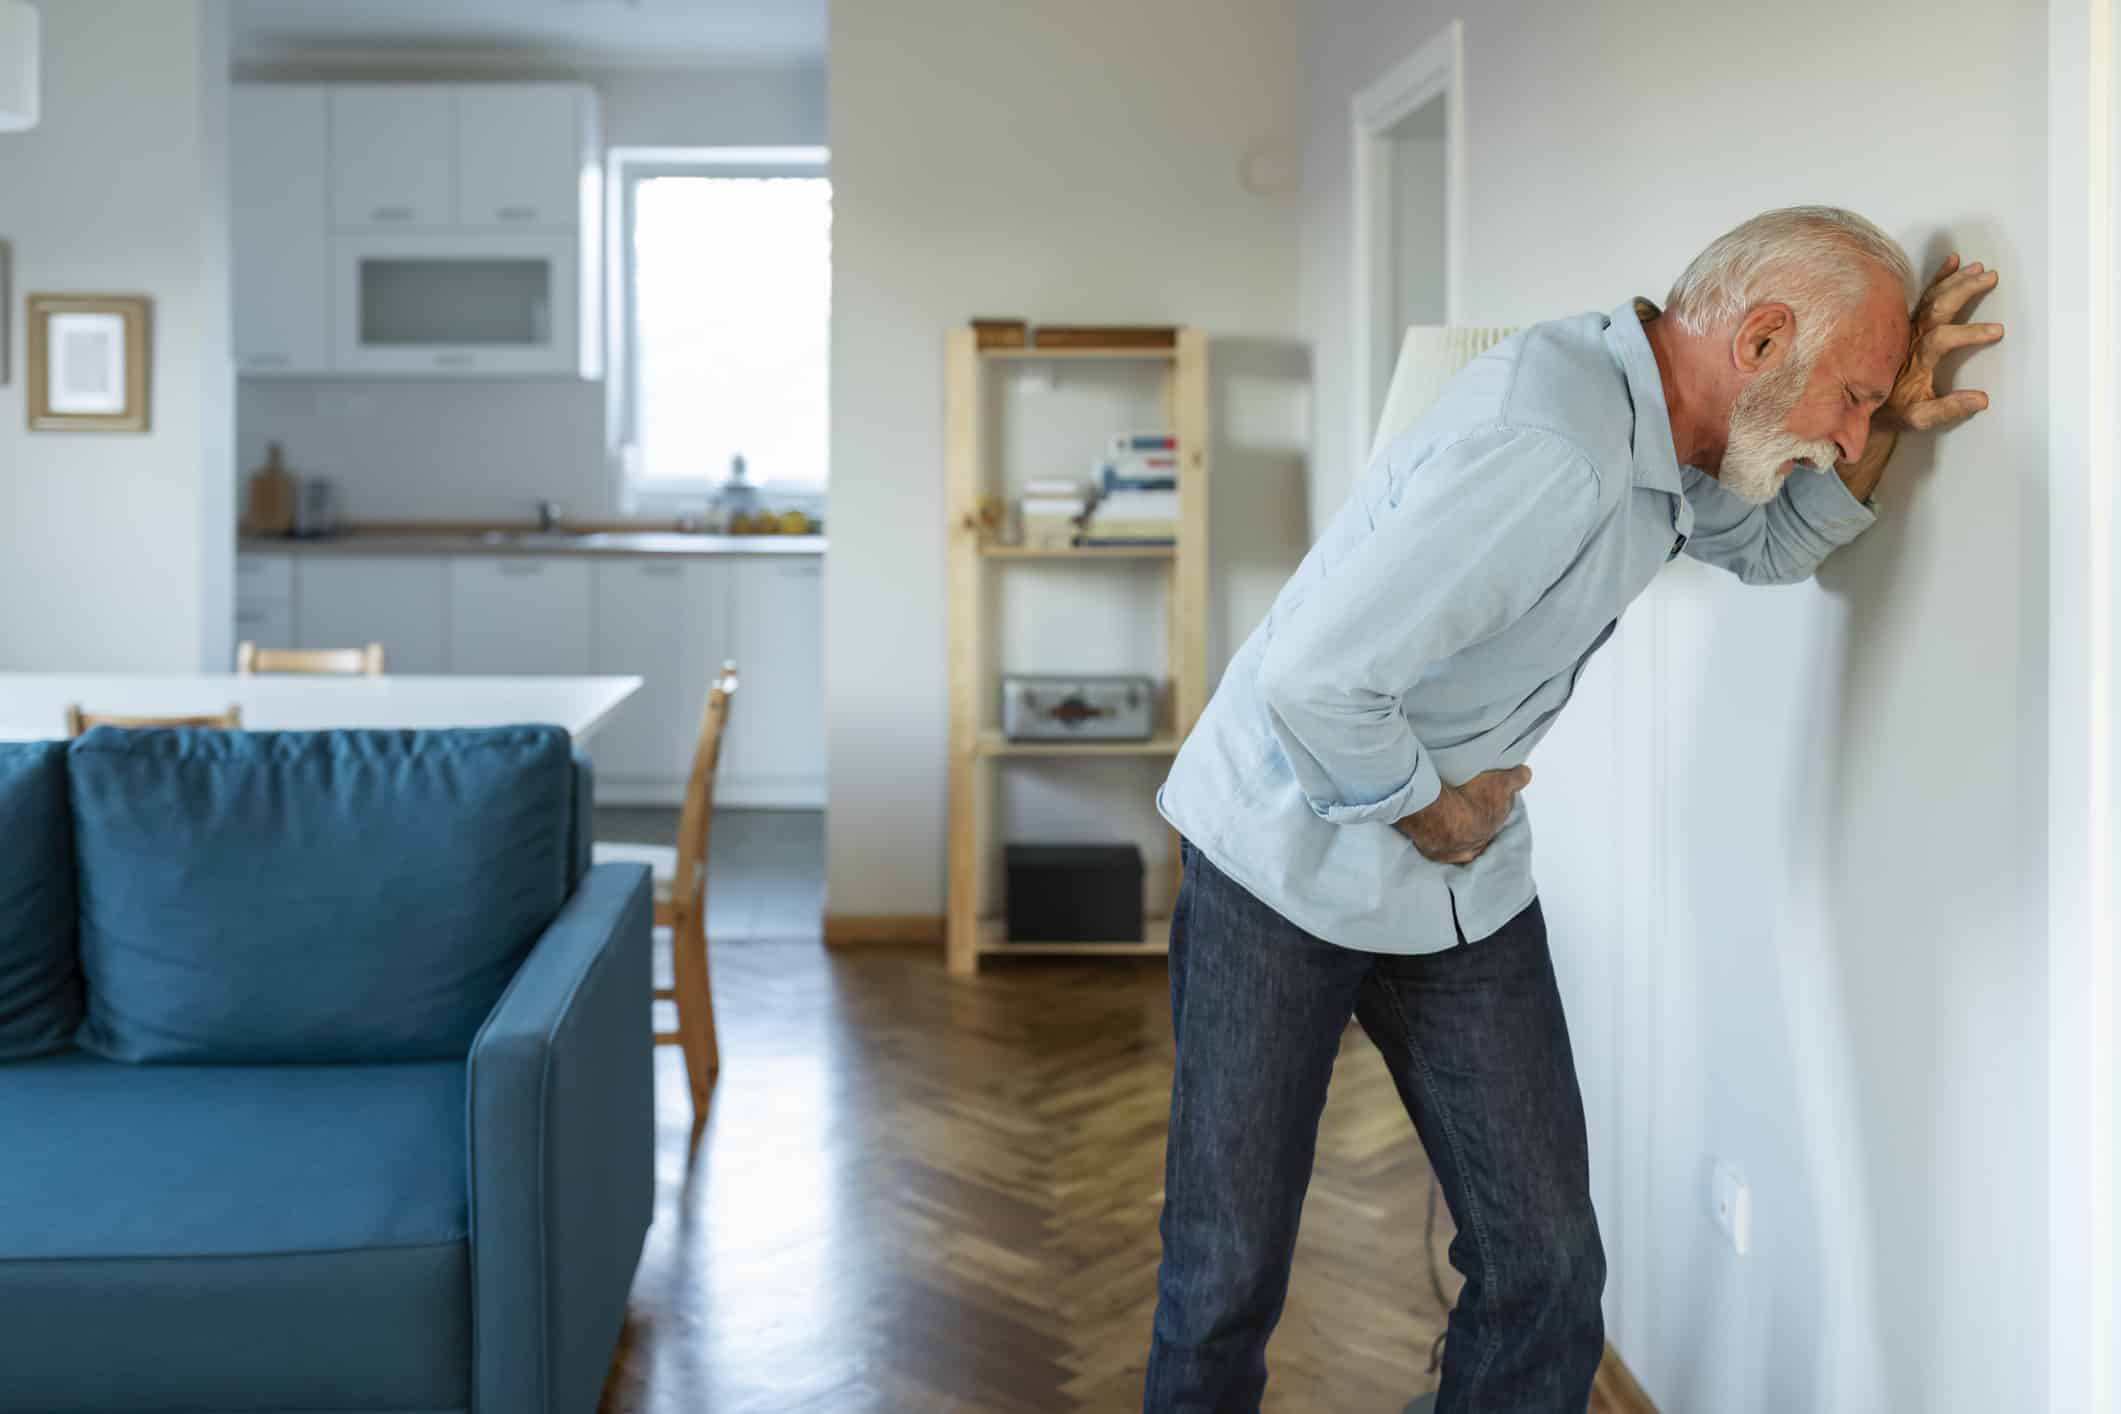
474,303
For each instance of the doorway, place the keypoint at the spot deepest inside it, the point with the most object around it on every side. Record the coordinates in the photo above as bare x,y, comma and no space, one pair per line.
1419,201
1408,134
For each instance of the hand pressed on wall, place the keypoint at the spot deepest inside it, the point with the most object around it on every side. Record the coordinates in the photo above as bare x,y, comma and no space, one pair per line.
1915,404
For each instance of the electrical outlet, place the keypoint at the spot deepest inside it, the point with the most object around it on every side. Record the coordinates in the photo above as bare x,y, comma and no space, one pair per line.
1732,1203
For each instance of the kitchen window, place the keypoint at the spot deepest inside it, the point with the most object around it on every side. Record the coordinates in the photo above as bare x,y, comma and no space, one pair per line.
721,296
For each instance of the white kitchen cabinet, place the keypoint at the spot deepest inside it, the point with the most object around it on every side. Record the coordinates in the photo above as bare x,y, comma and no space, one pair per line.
399,601
269,626
265,600
456,302
671,621
775,753
280,218
263,578
437,230
393,155
642,608
521,150
521,614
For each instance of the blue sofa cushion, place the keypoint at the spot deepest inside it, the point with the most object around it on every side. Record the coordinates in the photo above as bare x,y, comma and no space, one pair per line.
311,896
40,976
233,1238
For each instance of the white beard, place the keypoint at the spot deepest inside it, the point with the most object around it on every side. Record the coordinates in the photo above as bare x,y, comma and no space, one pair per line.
1759,445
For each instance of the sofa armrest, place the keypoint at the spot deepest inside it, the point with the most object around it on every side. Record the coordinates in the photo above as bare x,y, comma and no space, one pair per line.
562,1152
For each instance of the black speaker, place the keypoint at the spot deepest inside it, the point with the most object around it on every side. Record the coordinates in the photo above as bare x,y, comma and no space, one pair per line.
1074,893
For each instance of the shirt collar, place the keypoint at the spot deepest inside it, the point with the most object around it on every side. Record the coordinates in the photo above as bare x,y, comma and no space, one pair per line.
1656,462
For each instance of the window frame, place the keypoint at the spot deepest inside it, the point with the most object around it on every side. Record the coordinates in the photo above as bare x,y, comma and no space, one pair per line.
628,167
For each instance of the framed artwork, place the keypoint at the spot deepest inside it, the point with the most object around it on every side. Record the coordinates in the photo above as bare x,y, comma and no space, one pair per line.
87,369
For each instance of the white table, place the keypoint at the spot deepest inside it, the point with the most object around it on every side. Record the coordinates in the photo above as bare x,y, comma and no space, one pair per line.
33,705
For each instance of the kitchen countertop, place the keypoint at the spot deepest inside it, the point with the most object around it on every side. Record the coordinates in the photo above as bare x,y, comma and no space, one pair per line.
629,542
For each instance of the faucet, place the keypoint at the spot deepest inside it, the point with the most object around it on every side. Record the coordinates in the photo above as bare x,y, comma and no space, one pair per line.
548,517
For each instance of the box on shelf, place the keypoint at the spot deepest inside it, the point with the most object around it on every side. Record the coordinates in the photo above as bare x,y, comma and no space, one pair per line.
1000,333
1082,893
1105,336
1050,532
1133,518
1052,512
1096,707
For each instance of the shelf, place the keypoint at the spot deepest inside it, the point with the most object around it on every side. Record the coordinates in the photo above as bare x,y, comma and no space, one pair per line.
976,466
993,942
1080,552
993,743
1138,355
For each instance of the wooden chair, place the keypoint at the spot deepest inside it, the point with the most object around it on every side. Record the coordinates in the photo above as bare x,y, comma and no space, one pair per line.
78,721
344,662
681,898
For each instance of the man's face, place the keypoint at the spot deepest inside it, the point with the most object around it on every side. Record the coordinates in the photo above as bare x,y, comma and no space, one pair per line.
1817,412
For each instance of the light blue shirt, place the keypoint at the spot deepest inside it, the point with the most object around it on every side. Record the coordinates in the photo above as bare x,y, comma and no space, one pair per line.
1439,625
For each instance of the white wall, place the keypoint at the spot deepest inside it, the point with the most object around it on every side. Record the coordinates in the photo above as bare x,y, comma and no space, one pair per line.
1790,840
423,449
115,548
1086,162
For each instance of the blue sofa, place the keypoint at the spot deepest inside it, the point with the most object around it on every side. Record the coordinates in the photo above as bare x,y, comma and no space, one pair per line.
325,1077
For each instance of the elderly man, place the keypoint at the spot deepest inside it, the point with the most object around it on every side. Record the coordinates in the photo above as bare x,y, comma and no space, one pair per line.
1354,841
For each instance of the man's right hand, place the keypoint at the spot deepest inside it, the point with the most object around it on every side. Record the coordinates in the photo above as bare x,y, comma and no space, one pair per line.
1458,826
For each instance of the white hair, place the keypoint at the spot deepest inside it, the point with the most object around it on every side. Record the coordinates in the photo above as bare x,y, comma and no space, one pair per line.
1818,260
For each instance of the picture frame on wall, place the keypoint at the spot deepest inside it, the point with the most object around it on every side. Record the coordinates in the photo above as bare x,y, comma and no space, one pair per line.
88,362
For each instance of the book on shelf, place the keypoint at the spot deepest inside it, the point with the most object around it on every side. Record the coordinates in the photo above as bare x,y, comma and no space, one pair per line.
1129,442
1097,539
1138,471
1139,463
1055,505
1114,483
1138,505
1129,527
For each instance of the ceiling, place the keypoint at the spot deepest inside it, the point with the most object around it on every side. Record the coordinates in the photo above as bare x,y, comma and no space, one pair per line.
651,32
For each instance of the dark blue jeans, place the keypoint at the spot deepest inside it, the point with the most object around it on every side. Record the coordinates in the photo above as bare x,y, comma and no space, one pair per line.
1478,1048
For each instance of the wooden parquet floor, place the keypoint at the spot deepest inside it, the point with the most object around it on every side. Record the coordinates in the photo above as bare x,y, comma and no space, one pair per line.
928,1196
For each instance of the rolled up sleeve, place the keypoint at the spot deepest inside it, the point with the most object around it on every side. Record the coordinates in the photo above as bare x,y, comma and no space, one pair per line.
1471,539
1785,540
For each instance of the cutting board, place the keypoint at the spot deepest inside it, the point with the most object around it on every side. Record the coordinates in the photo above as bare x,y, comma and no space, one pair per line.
270,509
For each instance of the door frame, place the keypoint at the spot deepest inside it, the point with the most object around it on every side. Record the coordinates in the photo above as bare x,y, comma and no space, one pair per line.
1436,69
2084,719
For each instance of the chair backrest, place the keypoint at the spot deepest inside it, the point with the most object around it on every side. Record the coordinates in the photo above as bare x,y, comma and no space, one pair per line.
696,819
347,662
78,721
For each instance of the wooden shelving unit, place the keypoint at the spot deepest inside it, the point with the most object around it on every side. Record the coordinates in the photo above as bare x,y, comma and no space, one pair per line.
977,748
